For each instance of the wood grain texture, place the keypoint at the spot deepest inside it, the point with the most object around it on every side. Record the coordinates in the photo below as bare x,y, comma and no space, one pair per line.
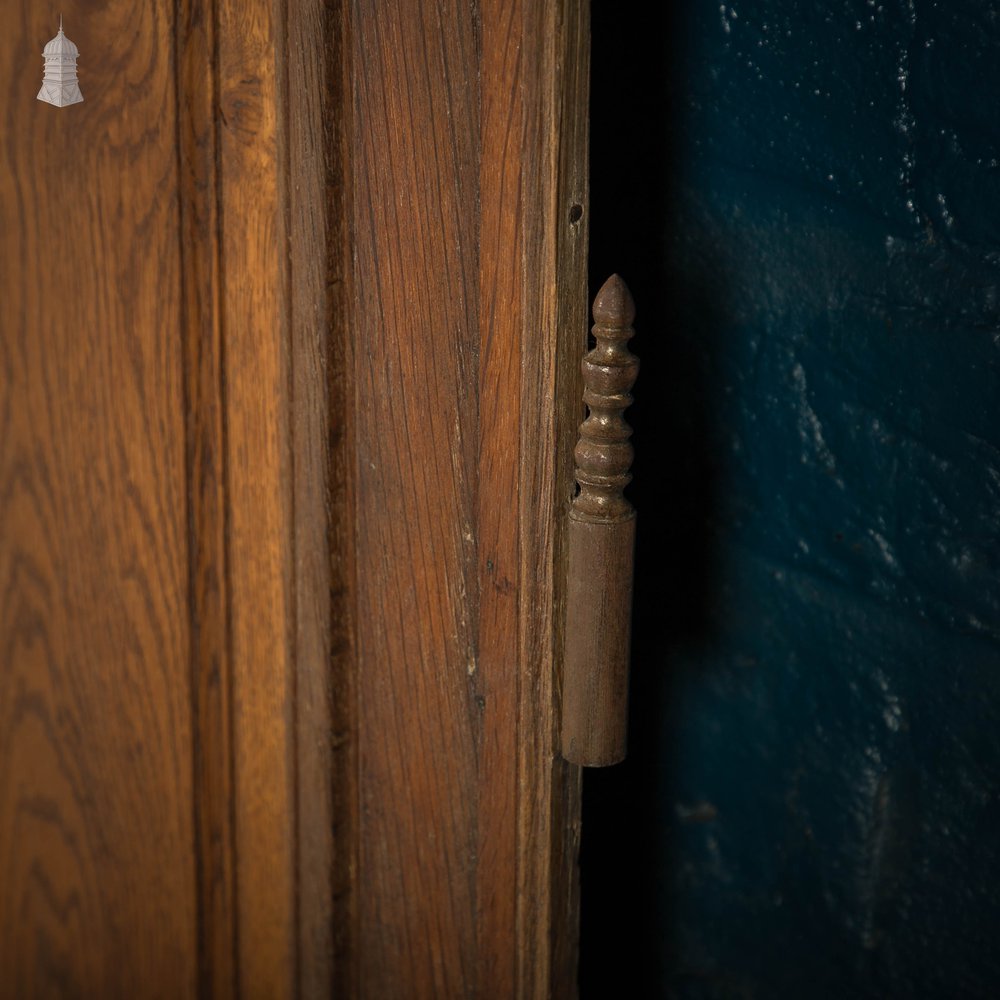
96,847
288,528
211,673
254,229
262,200
415,184
556,205
321,353
501,263
338,119
465,118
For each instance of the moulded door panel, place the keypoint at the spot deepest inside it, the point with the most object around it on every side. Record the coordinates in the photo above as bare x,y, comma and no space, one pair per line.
291,310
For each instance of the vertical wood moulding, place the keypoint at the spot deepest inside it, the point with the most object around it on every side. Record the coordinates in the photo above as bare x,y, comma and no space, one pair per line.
535,831
261,97
197,97
344,723
556,124
572,228
254,232
320,355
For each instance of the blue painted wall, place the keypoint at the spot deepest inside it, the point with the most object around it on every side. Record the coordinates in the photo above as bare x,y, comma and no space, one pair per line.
805,200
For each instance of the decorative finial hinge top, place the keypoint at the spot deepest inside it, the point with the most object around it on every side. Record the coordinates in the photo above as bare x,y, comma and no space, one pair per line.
604,453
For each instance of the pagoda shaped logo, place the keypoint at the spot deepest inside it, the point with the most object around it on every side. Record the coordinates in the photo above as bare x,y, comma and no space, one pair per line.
60,85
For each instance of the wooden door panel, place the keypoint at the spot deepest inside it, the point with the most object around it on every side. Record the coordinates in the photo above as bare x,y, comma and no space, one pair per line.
290,302
96,848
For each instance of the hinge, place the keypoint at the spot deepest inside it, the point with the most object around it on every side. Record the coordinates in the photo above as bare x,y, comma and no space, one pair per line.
601,543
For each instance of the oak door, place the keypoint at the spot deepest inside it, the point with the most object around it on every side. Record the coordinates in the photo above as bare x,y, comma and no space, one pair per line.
289,310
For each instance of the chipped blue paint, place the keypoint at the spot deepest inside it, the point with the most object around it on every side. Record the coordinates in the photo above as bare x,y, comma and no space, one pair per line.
809,218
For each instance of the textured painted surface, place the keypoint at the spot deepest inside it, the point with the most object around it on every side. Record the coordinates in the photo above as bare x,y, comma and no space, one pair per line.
809,223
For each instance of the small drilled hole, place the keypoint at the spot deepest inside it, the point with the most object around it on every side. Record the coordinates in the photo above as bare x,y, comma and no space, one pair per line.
576,214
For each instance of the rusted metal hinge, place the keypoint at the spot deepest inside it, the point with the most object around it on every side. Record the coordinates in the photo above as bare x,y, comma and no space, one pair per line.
601,541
